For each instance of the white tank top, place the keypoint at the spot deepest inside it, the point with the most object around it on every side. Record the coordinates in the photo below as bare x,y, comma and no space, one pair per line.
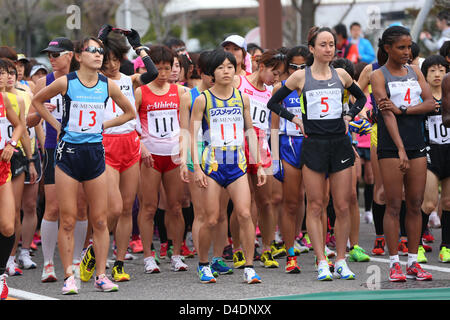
112,110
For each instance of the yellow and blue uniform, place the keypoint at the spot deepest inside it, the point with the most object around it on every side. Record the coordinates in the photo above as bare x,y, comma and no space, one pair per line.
223,158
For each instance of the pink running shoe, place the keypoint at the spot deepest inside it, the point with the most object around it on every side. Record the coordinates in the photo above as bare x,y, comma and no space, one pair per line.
70,286
102,283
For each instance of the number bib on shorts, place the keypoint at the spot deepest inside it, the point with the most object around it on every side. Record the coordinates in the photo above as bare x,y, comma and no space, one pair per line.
438,133
327,104
227,127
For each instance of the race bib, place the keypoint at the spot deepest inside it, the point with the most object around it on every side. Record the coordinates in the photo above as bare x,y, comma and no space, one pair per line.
291,128
260,114
58,101
438,133
405,93
226,127
324,104
3,127
163,123
86,117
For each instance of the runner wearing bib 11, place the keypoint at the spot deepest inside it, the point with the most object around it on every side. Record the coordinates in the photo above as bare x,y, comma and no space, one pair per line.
157,104
270,66
79,155
223,113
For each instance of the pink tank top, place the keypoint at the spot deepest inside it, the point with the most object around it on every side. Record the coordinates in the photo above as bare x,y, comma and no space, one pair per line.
258,103
364,141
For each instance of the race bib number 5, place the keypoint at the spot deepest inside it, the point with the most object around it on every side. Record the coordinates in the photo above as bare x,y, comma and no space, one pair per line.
86,117
324,104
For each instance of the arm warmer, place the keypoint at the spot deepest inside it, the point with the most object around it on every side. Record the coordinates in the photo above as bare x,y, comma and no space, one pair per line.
151,73
275,106
360,100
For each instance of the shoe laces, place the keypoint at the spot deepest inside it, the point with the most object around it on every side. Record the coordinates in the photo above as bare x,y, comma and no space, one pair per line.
250,272
206,270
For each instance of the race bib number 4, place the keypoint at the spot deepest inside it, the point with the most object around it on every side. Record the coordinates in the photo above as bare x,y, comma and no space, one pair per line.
405,93
86,117
163,123
438,133
324,104
227,127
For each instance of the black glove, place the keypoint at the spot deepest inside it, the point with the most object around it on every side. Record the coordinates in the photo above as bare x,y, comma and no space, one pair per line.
134,39
104,31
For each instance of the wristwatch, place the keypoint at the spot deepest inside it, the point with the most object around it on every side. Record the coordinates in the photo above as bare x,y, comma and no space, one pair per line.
138,49
403,110
12,143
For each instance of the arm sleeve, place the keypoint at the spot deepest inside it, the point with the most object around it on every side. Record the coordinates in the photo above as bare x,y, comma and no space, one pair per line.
275,106
151,73
360,100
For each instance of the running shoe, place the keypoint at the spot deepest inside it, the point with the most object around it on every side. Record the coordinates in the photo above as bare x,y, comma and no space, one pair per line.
33,247
416,272
291,265
238,259
358,254
163,250
102,283
220,267
185,251
307,240
205,274
403,248
427,247
258,232
12,269
150,265
329,253
368,217
3,287
25,261
70,286
155,255
298,245
267,260
323,271
227,254
176,264
342,271
421,258
48,273
329,262
378,248
135,245
87,266
37,239
396,274
119,274
434,220
250,276
444,255
428,236
278,249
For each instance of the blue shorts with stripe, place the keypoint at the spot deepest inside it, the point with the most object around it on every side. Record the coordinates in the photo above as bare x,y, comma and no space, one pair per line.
291,149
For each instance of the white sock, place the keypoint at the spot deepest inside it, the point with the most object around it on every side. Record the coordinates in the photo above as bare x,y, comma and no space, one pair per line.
10,260
393,259
49,237
79,238
411,259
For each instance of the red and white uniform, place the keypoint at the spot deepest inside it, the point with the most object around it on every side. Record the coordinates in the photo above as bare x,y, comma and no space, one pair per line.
121,143
261,121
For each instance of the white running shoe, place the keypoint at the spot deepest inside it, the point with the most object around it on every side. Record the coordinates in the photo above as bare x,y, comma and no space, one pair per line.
25,261
151,266
342,271
434,221
48,273
323,270
177,264
12,269
368,217
250,276
329,253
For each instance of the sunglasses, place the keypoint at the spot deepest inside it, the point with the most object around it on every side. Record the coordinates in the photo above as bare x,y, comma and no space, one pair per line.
297,66
92,49
56,55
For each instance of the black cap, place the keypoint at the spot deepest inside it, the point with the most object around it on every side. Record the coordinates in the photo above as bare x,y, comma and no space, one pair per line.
59,45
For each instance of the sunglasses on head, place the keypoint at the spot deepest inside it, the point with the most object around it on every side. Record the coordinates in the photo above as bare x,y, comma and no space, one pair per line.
56,55
92,49
297,66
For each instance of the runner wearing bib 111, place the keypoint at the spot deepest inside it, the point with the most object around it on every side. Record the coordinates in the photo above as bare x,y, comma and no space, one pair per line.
80,155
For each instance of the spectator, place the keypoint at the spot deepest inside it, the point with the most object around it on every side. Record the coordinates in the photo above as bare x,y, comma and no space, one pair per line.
445,51
442,23
37,72
343,45
365,48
